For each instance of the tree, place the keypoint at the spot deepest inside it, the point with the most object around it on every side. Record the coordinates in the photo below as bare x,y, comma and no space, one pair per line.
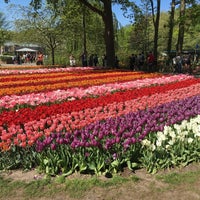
102,8
139,39
45,24
4,35
143,25
156,19
83,28
179,45
105,11
171,26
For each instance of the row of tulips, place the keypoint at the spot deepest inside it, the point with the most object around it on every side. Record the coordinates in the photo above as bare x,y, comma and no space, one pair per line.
27,114
68,82
42,71
78,119
35,79
98,128
34,99
127,129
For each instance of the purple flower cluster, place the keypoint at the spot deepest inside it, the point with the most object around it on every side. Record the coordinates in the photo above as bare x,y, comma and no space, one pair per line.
120,133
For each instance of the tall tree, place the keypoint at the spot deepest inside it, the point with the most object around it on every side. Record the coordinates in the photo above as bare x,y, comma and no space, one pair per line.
179,45
46,26
84,30
171,26
4,35
141,28
105,11
156,19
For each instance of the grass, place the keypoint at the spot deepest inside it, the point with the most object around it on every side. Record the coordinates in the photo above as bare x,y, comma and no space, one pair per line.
71,188
179,178
48,187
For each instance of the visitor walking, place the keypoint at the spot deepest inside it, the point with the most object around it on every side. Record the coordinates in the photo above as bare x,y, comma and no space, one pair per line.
95,60
72,60
40,59
150,61
104,60
179,63
84,59
132,60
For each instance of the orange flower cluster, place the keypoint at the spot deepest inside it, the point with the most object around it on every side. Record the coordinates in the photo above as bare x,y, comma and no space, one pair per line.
54,81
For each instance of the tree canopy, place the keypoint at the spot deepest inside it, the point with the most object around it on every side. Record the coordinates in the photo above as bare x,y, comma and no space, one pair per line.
90,27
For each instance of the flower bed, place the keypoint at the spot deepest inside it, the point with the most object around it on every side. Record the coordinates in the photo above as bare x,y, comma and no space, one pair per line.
79,119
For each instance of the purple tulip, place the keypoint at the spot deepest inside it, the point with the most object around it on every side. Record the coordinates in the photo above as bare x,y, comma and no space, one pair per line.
53,146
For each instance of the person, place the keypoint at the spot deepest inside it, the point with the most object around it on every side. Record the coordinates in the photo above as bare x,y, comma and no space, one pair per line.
18,59
179,62
104,60
28,57
150,61
91,60
40,58
84,59
116,62
188,63
141,61
72,60
132,60
95,60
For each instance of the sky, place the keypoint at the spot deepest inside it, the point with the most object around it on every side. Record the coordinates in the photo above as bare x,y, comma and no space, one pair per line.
165,6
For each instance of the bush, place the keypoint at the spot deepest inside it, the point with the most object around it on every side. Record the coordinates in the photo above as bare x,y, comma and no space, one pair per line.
6,59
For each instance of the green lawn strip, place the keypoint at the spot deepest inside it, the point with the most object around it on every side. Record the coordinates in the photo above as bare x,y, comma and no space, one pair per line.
176,178
34,189
77,188
50,187
187,181
9,188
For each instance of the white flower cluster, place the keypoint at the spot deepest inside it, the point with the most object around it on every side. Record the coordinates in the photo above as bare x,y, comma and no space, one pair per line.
187,132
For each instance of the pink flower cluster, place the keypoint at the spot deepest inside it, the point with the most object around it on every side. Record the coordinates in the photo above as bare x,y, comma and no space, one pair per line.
78,93
45,70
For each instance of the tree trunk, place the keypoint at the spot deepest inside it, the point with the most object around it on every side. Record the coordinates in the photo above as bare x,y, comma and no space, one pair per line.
156,33
53,56
156,29
84,32
179,46
106,14
109,33
171,27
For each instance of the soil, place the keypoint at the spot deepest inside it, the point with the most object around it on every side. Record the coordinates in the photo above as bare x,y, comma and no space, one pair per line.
147,188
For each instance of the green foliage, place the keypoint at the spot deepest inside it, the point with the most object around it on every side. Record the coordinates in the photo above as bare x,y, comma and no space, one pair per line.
18,157
5,58
4,34
130,39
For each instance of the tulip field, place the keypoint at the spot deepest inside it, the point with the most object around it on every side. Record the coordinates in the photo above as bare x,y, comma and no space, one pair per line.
81,119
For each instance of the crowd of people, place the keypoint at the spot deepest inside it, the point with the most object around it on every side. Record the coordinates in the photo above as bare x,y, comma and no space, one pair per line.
142,62
182,63
24,58
136,61
28,58
92,60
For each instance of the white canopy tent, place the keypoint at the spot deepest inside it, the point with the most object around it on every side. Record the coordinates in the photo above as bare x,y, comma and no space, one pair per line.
26,50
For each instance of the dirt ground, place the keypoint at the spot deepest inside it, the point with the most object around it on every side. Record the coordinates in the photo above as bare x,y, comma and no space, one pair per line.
147,188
